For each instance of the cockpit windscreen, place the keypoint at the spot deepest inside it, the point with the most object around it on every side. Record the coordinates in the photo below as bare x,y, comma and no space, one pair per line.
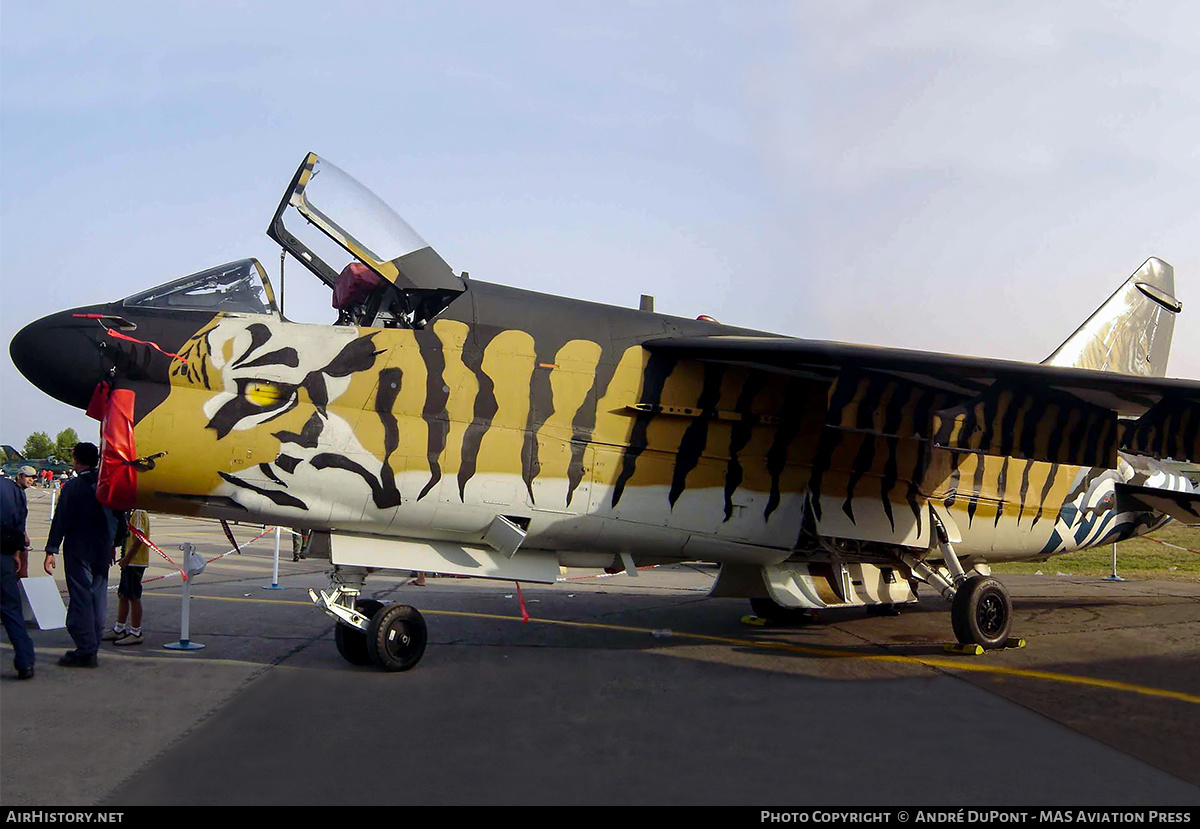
237,287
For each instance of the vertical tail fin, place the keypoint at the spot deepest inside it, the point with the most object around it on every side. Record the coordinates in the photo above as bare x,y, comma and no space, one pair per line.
1131,332
12,454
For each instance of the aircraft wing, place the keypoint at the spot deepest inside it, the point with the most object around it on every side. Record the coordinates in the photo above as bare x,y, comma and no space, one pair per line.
1000,407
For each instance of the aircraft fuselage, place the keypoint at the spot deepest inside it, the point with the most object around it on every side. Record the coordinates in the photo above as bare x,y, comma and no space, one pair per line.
550,412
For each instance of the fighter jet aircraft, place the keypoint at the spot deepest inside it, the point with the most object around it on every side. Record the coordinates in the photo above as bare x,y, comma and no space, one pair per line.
448,425
15,460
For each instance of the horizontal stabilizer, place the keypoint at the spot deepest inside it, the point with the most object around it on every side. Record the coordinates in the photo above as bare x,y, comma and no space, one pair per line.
1184,507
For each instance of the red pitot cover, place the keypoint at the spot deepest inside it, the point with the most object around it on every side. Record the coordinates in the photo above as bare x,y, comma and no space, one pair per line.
116,487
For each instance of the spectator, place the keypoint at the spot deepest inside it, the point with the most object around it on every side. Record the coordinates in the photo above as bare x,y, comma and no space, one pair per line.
88,533
14,545
133,563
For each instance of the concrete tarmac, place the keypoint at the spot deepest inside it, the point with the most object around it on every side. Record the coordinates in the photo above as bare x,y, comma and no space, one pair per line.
618,691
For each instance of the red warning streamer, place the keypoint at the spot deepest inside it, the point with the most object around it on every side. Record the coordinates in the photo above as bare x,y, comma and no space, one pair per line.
1168,544
118,335
521,600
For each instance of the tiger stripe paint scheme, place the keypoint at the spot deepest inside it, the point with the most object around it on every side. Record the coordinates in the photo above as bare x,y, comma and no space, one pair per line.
602,444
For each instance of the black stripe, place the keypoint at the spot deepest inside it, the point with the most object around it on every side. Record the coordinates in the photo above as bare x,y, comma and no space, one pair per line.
1071,435
866,450
1008,424
282,357
1024,488
1029,428
382,498
485,410
695,437
268,472
541,408
790,420
658,369
955,477
1191,434
1045,493
308,434
436,417
976,487
390,382
584,423
741,433
259,334
893,417
927,402
1001,488
843,392
280,498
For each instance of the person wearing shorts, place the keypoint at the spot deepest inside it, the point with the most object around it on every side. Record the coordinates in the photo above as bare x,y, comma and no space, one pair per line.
135,558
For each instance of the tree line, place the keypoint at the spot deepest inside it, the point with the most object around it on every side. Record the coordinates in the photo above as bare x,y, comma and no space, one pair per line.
39,445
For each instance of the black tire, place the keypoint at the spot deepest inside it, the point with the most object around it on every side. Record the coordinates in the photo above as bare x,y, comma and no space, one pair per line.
777,614
396,637
352,642
981,613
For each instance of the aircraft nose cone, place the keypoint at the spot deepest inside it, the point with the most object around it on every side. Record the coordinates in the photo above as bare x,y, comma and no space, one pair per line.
62,355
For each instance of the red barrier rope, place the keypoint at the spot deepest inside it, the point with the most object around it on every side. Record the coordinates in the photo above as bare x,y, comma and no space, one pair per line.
145,540
1168,544
142,537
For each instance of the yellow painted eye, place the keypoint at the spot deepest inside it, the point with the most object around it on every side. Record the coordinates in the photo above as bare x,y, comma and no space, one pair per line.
264,394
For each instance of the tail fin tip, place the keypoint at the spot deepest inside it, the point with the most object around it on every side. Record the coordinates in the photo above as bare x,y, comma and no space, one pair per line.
1131,332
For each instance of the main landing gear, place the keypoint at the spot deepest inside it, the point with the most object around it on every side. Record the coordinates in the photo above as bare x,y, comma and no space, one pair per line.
981,613
980,609
391,637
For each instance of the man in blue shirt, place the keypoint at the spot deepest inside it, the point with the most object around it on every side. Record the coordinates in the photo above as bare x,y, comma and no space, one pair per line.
88,533
14,541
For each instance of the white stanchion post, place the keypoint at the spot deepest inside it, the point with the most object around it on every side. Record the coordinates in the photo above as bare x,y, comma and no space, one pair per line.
184,643
53,498
1114,576
274,585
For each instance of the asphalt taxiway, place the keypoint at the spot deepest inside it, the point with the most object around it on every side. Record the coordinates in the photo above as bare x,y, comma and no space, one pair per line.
617,690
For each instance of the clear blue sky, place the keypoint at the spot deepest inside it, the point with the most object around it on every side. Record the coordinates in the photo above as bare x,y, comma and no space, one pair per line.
956,177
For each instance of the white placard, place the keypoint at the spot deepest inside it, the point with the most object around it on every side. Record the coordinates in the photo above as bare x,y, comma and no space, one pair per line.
45,602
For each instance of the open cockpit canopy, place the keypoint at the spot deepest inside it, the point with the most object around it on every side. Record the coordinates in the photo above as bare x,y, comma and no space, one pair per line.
327,219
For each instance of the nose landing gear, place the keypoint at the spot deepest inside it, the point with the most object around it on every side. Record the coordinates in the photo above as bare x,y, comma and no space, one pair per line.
368,632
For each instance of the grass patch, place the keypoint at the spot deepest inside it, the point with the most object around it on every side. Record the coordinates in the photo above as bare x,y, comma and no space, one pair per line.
1137,558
